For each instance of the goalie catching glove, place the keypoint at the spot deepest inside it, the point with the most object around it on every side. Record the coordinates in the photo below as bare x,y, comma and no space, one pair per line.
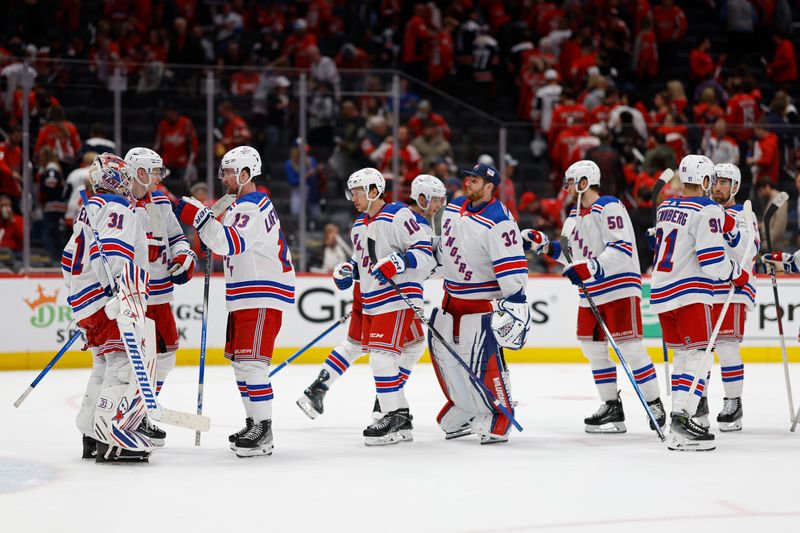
511,321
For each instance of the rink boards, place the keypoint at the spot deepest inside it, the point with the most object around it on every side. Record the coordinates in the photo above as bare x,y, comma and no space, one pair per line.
36,321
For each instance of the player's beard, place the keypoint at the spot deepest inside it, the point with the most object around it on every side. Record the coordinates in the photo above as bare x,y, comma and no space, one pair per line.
474,195
717,197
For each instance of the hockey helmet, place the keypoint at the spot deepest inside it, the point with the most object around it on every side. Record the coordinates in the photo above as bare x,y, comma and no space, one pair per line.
694,169
427,186
146,159
364,179
240,158
731,172
583,169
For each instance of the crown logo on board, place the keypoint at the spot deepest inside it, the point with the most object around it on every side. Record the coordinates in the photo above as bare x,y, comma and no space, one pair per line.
42,298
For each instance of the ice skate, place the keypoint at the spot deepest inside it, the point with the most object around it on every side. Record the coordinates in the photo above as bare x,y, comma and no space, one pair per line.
311,400
730,418
658,412
376,409
388,429
687,435
115,454
463,431
406,427
701,415
248,425
256,441
493,439
156,435
609,418
89,448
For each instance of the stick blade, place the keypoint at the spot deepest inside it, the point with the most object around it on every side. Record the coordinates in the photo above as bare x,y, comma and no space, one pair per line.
23,396
185,420
779,200
222,205
666,176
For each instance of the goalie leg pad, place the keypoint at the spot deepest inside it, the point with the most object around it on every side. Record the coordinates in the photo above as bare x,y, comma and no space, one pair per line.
453,418
255,388
120,407
85,418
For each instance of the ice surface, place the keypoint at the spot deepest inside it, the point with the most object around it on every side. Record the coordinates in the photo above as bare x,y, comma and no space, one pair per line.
551,477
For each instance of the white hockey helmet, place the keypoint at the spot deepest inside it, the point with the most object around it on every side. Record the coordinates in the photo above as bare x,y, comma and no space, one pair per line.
364,179
731,172
583,169
149,160
240,158
427,186
109,172
694,169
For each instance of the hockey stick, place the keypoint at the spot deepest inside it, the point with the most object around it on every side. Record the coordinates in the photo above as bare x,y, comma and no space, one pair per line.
133,350
219,207
565,232
302,350
663,179
421,315
772,208
704,366
46,369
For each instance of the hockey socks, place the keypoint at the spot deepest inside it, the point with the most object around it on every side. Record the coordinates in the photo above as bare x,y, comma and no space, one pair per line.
255,389
340,359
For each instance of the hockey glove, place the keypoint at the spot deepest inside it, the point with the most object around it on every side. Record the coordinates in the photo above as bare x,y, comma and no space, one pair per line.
192,212
154,249
781,258
739,276
388,267
181,268
583,271
651,239
343,275
511,321
730,231
535,240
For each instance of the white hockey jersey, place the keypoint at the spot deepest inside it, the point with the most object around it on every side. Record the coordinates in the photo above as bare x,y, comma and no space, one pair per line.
735,249
160,281
604,232
396,230
690,253
481,252
258,264
124,243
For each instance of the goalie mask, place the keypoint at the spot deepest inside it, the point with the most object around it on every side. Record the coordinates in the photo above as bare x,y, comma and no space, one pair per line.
110,173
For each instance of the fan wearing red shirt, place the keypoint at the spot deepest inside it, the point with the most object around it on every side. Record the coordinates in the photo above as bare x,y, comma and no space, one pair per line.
235,131
11,165
176,141
61,136
298,43
11,232
645,52
783,67
701,64
424,114
566,113
351,57
670,22
765,155
415,43
441,60
742,114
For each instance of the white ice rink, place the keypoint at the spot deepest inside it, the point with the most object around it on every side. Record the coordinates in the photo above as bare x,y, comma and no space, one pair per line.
321,478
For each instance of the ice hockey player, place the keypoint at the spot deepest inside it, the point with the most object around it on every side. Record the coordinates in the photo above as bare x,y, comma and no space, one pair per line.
723,192
389,244
484,269
689,259
112,409
171,262
259,285
428,193
604,258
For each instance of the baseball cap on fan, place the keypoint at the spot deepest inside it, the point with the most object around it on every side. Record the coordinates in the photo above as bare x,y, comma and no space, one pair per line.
480,170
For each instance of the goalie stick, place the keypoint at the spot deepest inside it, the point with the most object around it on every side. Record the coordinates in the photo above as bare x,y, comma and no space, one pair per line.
708,357
219,207
564,240
476,382
133,350
663,179
772,208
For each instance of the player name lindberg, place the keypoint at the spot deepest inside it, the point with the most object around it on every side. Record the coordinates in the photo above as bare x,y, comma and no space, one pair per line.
674,216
